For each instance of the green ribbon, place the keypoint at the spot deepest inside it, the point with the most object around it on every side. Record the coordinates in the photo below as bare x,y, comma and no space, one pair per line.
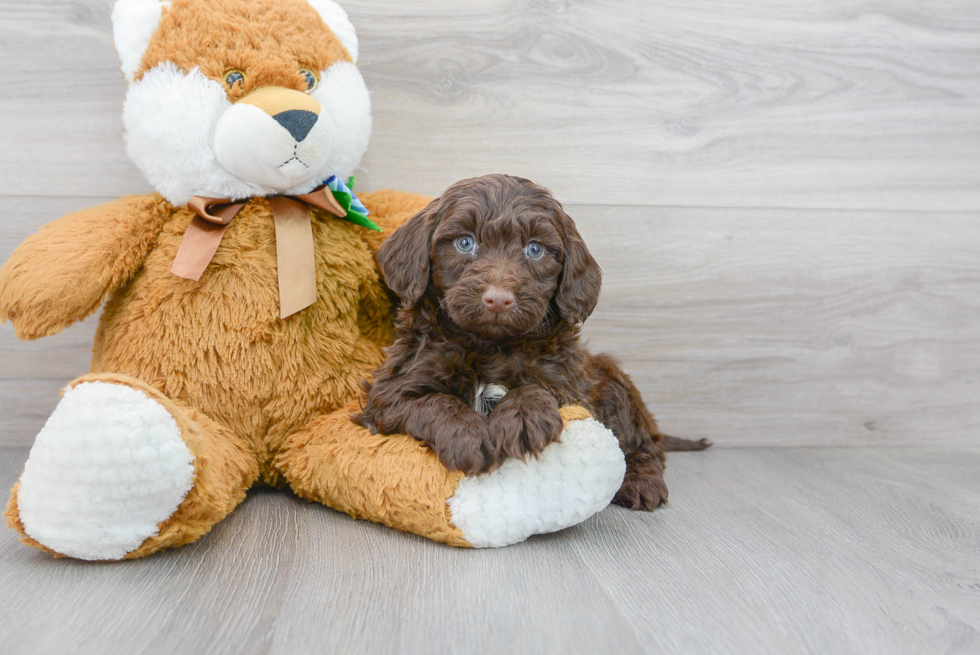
357,213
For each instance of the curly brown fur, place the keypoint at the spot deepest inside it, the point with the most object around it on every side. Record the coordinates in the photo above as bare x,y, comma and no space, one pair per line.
495,282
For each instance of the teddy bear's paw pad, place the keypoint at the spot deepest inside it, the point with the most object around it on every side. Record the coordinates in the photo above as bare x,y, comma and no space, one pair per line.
569,482
107,468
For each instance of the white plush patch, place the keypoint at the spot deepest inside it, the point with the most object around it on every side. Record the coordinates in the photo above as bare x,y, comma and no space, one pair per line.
172,118
347,103
133,25
251,145
570,481
338,22
107,468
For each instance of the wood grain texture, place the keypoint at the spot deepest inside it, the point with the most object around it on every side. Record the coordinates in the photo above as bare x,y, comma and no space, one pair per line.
836,103
750,327
853,322
861,551
793,327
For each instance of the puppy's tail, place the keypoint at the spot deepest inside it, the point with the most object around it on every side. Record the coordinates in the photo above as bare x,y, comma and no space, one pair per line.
676,444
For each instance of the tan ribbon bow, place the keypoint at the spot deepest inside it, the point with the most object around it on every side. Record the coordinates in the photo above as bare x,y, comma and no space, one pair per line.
294,241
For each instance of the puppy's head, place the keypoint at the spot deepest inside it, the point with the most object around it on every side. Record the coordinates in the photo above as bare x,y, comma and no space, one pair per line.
497,252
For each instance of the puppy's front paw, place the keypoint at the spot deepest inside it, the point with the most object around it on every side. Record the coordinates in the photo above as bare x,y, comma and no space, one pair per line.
467,448
524,423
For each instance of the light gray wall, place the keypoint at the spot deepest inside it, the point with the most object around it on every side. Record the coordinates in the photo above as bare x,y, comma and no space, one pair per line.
785,197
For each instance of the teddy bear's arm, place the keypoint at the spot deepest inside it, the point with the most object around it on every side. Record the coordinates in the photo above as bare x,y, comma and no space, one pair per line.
66,270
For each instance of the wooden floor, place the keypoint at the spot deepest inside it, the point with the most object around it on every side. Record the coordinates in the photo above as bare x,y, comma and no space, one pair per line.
785,200
857,550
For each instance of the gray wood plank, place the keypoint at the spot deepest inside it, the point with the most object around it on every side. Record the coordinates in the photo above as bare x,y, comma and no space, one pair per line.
761,550
61,105
780,104
750,327
792,327
801,551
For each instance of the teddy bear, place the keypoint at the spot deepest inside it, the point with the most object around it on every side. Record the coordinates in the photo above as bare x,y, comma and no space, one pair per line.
243,307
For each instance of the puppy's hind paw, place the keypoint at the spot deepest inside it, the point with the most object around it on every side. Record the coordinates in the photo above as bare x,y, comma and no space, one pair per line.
643,490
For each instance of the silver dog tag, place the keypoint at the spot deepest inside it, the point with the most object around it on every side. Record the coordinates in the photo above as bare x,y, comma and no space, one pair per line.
487,396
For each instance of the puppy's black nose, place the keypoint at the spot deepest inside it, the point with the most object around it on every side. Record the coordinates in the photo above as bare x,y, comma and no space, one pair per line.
498,300
298,122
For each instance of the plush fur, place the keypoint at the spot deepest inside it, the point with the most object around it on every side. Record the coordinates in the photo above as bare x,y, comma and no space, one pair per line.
179,101
574,478
58,493
133,25
496,281
207,369
240,376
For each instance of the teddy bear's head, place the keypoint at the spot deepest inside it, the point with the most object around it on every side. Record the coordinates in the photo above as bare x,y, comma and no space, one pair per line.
240,98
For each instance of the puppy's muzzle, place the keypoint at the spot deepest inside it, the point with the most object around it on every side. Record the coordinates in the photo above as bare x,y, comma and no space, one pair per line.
498,300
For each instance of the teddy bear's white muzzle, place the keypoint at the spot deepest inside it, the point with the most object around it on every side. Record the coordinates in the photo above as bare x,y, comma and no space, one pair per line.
279,149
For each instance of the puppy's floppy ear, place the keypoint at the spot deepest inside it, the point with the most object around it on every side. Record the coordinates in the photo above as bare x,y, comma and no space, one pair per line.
581,277
404,257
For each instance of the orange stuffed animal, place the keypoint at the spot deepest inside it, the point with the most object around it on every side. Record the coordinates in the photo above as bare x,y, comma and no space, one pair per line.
243,307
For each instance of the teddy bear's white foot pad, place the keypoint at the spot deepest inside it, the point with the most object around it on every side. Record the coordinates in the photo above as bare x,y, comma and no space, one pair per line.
569,482
107,468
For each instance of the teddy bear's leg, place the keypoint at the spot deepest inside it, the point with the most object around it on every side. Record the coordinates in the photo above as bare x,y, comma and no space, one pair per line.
121,471
398,481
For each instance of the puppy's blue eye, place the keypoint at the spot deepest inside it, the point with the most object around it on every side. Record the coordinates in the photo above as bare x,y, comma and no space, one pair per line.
465,244
534,250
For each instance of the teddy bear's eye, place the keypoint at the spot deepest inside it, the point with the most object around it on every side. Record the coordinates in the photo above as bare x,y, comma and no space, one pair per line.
311,78
233,77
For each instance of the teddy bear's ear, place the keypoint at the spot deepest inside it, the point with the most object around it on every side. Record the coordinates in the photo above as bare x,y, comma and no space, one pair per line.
133,24
338,22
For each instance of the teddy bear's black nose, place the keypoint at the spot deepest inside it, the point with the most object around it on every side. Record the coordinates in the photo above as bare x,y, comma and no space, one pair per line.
298,122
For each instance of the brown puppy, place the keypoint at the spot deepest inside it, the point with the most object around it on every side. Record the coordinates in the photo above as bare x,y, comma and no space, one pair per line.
495,282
